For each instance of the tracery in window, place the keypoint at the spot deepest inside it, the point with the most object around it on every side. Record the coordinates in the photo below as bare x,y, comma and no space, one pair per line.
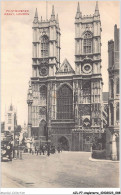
44,46
86,92
87,43
65,103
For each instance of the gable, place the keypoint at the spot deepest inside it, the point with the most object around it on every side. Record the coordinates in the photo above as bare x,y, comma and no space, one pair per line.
65,68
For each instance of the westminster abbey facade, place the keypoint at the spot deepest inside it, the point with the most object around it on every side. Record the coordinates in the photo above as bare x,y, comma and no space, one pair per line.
65,105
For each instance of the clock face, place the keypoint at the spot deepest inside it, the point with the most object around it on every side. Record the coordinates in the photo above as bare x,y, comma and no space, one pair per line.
87,68
43,71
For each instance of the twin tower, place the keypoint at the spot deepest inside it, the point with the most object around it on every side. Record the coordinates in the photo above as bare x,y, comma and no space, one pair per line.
64,105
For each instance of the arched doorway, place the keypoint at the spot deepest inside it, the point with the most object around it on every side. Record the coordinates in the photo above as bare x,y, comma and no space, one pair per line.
63,142
42,128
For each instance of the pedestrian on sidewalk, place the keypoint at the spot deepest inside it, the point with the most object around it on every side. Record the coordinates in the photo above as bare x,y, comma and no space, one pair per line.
61,147
58,149
35,149
40,151
32,150
48,150
17,153
43,150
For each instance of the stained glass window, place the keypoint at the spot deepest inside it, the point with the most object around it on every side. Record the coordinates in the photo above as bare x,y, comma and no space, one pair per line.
65,103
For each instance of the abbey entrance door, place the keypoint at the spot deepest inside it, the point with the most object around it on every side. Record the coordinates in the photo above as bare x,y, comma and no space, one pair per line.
64,143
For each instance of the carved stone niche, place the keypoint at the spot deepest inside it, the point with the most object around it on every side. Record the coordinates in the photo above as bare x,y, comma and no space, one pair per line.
43,61
42,110
84,109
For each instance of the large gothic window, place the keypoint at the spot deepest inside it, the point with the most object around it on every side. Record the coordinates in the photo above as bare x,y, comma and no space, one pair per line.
44,46
87,44
65,103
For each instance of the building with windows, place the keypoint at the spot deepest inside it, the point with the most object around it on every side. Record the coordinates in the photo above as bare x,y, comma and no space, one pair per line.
65,105
10,119
114,97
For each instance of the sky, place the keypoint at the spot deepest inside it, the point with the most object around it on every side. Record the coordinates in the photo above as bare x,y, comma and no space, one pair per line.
16,44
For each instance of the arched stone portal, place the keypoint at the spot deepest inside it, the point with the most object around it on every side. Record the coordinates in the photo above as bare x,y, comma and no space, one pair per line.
64,143
42,128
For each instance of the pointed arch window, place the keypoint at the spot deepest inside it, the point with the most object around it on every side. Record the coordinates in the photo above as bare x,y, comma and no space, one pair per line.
86,87
44,46
87,43
65,103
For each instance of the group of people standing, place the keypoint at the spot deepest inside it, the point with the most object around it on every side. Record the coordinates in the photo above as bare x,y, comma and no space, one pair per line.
45,149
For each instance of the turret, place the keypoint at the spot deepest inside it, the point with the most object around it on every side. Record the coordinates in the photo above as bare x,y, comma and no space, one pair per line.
78,13
57,20
11,107
53,14
96,9
36,17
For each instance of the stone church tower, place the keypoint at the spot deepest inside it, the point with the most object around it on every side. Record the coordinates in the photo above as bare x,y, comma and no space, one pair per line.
65,106
88,67
45,62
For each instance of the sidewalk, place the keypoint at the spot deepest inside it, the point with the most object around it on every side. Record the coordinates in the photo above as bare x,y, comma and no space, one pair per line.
102,160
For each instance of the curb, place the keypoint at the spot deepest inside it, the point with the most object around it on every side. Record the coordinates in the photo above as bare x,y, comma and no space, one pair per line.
99,160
